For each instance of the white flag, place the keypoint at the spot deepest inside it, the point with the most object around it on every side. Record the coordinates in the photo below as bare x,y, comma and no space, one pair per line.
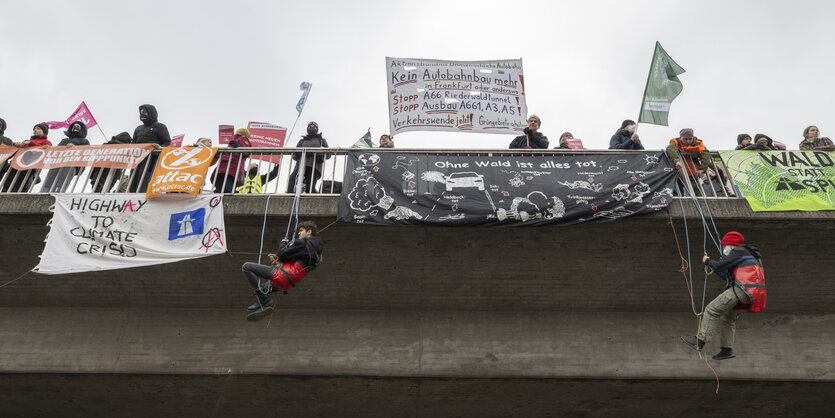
305,88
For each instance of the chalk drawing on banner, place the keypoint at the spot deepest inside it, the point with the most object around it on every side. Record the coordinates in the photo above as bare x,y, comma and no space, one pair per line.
618,212
369,159
651,159
211,238
613,168
635,195
464,180
402,213
452,217
668,169
579,184
622,161
374,212
368,193
433,176
535,206
402,162
665,192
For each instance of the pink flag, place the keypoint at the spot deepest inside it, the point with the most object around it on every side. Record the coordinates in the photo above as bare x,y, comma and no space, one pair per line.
177,141
81,114
225,133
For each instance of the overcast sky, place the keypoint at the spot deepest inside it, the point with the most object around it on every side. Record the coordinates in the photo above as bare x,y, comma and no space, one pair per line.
752,66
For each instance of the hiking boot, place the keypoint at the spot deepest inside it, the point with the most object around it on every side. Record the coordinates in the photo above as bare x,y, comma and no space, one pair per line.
724,353
693,342
261,302
260,314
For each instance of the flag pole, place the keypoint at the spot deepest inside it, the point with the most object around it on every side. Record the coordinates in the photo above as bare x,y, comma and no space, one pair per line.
102,131
294,126
649,76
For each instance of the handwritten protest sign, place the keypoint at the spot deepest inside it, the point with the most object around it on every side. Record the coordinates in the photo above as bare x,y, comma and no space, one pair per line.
105,232
456,96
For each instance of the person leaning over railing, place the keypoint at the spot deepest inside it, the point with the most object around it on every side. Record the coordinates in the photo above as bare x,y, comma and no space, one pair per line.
22,181
813,142
690,155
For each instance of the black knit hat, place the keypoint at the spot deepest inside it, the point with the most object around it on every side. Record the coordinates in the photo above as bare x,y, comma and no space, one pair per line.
740,137
44,127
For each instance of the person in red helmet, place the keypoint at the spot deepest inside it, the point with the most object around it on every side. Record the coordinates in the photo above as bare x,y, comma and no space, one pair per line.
741,266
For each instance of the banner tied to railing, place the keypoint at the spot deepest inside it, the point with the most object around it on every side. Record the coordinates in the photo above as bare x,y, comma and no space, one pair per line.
181,170
412,189
104,232
105,156
784,180
456,96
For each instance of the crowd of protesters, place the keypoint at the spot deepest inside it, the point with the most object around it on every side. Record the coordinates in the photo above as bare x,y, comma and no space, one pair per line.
233,175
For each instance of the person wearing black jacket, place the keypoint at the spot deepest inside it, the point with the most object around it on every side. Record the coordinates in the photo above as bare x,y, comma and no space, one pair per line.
99,176
58,179
532,139
313,163
292,263
741,266
3,139
761,143
150,132
625,137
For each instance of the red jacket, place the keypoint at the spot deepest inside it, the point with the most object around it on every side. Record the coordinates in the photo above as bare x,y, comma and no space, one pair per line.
39,142
287,274
751,279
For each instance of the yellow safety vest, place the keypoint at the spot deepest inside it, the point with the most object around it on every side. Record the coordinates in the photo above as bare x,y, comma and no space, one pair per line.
251,186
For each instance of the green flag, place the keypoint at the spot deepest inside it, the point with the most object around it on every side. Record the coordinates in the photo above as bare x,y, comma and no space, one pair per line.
663,86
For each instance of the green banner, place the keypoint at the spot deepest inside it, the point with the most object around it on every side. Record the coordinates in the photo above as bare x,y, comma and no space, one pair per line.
663,86
784,180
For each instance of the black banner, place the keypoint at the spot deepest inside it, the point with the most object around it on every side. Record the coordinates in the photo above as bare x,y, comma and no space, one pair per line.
388,188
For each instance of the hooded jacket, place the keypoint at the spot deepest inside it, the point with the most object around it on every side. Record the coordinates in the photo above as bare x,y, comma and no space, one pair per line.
754,146
312,141
537,140
96,178
622,139
743,270
151,131
3,139
75,138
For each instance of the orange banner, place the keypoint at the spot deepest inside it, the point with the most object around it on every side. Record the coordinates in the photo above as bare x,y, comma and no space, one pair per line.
6,152
107,156
180,170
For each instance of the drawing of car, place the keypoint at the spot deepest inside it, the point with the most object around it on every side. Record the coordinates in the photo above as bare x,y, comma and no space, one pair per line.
464,179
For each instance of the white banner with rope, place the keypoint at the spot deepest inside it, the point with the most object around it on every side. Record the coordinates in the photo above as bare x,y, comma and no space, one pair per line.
92,232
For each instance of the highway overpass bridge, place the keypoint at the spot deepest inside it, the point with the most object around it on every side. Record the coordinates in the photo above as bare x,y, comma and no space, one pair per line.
420,321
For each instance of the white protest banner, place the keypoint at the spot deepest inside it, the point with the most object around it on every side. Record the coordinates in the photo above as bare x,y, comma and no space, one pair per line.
456,96
92,232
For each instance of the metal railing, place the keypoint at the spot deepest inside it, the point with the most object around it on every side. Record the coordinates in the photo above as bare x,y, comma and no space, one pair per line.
278,167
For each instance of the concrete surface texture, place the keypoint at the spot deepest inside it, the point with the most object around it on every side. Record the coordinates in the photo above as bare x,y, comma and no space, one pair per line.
587,301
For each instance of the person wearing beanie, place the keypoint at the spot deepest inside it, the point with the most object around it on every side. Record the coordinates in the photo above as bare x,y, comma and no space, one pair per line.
312,166
58,180
742,141
532,139
812,140
761,143
625,137
741,267
691,157
564,140
3,139
101,178
230,170
151,131
22,181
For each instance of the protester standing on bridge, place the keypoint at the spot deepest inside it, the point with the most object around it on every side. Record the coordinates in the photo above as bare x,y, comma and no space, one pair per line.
564,140
689,152
532,139
312,166
625,137
27,178
291,264
386,141
98,176
58,179
762,142
230,169
742,141
741,266
3,139
813,142
253,182
150,132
